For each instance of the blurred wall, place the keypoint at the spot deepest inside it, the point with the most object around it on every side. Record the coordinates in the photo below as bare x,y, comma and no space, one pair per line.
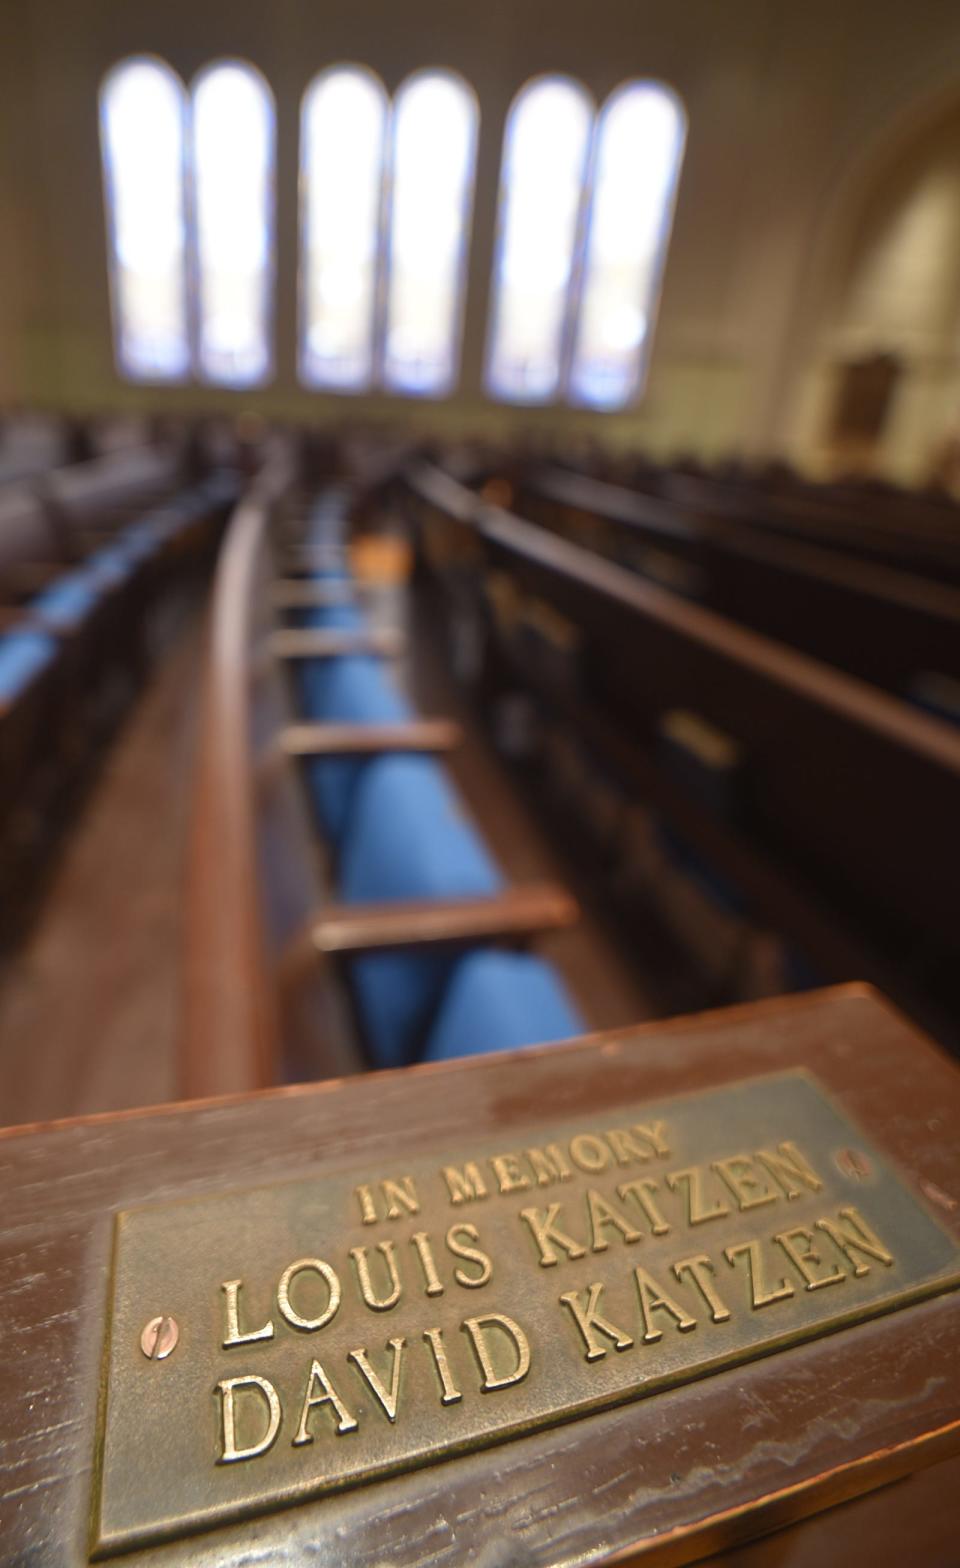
892,285
790,109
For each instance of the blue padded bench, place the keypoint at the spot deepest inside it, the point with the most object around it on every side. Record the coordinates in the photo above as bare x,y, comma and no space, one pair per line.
407,839
355,689
402,836
500,1001
25,652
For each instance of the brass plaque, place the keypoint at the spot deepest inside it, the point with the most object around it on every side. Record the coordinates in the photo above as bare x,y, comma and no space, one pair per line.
271,1345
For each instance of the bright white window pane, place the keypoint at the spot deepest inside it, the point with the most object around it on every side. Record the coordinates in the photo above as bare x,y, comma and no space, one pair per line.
341,169
640,145
142,135
233,184
545,153
434,142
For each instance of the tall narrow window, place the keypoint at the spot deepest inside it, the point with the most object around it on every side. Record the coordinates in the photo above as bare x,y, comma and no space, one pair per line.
639,148
142,118
546,147
434,146
341,165
233,136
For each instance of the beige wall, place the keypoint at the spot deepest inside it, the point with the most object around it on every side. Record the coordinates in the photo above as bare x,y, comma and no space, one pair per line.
894,286
791,106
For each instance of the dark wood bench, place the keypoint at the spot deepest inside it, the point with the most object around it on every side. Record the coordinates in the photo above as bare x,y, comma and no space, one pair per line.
79,628
884,625
904,530
845,838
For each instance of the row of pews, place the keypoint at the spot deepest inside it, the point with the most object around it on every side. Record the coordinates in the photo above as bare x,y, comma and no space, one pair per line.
343,910
536,1306
913,530
91,555
764,721
894,628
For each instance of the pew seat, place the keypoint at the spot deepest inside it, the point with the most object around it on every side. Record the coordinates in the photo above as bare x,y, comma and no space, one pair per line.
497,1001
373,884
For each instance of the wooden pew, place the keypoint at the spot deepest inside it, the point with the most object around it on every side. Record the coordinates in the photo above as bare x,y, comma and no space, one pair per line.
718,1432
93,500
77,634
33,551
845,840
907,532
884,625
31,445
262,1000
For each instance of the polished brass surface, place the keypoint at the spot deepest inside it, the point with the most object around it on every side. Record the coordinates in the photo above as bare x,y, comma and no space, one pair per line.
350,1324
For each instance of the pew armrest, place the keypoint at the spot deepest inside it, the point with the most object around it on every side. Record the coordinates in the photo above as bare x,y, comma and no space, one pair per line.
514,915
291,593
368,740
314,558
310,642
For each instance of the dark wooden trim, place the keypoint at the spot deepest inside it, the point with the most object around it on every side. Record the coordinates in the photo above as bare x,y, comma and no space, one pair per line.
315,642
514,914
365,740
307,593
231,1032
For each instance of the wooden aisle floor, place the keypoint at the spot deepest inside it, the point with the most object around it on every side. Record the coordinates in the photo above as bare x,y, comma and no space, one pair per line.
88,1007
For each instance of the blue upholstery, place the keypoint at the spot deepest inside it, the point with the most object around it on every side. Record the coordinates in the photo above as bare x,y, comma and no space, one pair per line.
69,599
407,839
346,617
136,543
112,565
401,835
24,652
499,1001
355,689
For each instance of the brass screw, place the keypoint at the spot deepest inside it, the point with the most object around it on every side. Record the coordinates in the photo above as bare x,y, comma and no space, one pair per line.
159,1338
852,1163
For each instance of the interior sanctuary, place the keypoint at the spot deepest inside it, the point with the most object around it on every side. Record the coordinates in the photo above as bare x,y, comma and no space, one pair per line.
479,783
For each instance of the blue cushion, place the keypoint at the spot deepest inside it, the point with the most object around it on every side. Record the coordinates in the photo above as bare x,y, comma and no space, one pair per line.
220,487
345,617
499,1002
111,565
406,839
355,689
140,540
24,652
69,599
327,528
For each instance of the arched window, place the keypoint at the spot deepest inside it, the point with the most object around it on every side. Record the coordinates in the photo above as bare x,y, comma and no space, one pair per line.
640,136
342,135
433,154
546,147
233,141
142,122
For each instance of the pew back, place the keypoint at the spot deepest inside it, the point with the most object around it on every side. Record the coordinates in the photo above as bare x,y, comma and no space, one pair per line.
850,792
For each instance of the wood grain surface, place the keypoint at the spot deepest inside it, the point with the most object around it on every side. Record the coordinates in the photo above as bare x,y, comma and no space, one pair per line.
671,1478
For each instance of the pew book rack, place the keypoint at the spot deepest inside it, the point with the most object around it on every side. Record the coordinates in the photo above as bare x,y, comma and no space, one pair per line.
648,1297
